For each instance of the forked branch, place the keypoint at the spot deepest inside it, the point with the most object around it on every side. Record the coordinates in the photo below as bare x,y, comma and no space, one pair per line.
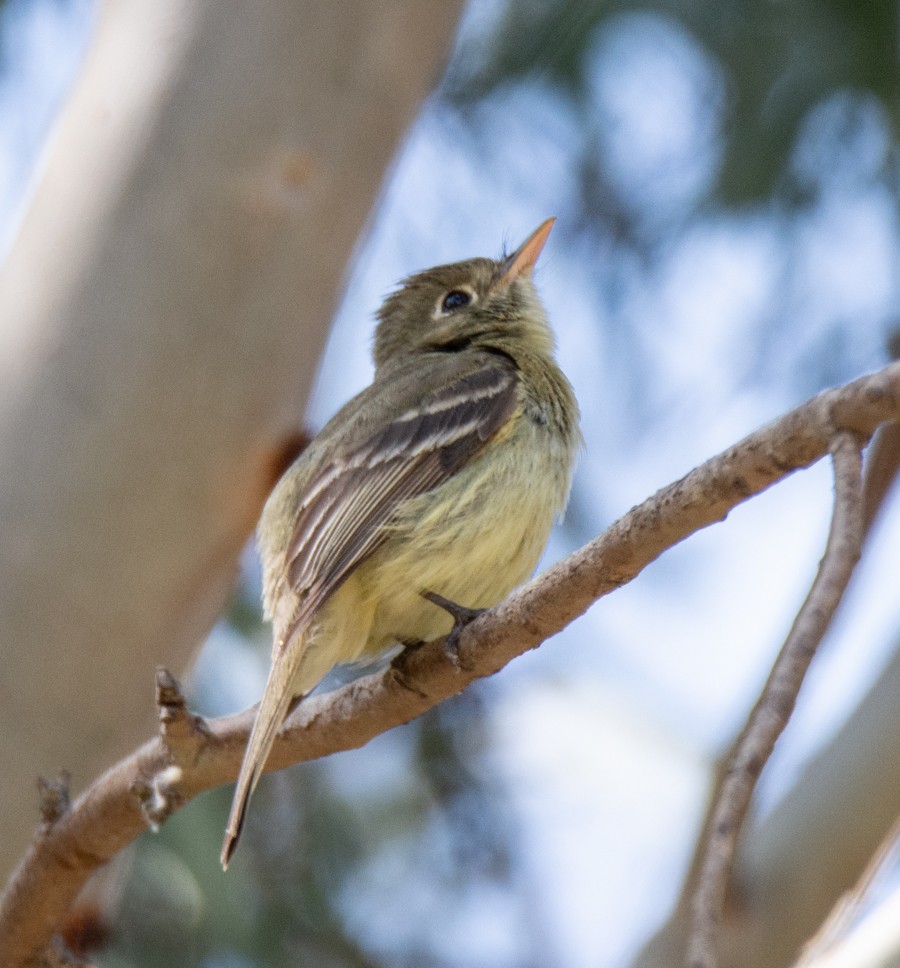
775,705
191,755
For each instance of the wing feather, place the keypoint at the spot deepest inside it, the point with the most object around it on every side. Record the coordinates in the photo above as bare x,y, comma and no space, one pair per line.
348,503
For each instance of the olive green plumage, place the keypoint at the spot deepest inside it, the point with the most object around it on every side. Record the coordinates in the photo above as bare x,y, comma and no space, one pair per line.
444,475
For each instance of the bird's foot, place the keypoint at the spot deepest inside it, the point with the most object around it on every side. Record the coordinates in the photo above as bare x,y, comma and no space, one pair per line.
461,615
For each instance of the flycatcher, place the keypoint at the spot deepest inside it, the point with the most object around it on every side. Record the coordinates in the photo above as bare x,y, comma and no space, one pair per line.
443,476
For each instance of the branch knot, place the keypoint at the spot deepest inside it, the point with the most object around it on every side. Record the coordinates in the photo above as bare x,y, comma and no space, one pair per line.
160,796
185,735
55,799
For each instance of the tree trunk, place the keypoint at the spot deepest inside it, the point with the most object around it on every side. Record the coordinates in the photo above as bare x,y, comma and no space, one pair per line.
164,307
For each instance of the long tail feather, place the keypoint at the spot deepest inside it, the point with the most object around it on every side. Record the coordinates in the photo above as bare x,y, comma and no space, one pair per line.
276,701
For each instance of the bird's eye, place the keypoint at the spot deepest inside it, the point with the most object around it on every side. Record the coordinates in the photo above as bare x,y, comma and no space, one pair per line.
455,299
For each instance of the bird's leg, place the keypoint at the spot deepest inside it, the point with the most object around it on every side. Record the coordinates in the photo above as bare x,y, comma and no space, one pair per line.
461,618
412,645
295,702
399,661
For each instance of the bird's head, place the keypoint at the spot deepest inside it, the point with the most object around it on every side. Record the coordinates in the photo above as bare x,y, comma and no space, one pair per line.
479,302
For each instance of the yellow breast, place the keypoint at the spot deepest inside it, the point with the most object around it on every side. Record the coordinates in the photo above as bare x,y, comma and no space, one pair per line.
472,540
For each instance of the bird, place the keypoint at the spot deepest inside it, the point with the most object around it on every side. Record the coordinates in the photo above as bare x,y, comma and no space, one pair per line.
429,495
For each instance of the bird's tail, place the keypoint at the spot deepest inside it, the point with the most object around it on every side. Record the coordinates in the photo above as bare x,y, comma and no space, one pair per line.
276,702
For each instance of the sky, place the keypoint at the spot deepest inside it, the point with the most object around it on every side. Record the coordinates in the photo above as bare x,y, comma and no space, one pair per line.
42,42
740,317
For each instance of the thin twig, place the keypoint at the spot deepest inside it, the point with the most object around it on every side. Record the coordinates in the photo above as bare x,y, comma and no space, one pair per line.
775,705
882,458
882,470
109,815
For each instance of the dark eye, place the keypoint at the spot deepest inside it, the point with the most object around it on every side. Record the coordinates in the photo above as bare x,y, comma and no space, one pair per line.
455,299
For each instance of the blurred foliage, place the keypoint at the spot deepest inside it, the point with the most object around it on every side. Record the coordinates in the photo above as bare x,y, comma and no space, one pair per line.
780,60
242,613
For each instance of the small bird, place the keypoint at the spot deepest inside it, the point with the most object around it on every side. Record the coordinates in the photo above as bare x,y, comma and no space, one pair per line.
435,486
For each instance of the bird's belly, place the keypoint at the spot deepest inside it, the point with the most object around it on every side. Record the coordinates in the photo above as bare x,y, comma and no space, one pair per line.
475,538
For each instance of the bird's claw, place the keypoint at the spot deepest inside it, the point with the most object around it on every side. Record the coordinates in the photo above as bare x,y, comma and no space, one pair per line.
461,615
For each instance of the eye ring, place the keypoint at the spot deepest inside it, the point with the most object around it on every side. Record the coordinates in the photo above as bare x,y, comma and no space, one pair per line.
455,299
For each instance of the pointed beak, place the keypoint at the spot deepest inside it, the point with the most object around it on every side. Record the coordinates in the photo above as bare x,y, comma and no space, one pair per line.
522,261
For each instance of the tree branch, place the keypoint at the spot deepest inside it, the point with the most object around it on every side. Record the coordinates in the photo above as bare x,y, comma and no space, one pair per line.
192,755
882,469
769,717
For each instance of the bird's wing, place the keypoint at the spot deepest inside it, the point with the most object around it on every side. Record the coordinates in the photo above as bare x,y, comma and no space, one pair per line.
422,440
346,505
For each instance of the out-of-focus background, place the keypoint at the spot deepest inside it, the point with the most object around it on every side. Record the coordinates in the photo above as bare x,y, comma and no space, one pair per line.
725,178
